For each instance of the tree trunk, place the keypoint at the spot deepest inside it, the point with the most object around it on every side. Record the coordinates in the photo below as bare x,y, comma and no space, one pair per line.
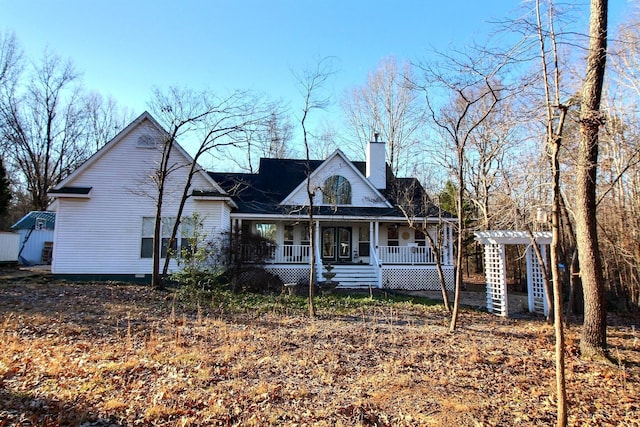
561,386
436,249
312,267
458,270
176,225
594,335
162,172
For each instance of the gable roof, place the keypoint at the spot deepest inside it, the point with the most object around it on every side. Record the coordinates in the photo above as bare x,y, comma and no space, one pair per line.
60,189
264,192
321,166
28,221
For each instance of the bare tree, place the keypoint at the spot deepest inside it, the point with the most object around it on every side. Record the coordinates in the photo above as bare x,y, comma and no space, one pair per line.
416,206
44,126
324,141
388,104
208,122
473,93
626,54
556,115
105,119
278,136
11,62
46,120
311,83
270,138
486,158
5,196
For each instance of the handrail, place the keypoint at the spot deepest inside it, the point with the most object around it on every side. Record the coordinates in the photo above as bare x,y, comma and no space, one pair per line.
376,264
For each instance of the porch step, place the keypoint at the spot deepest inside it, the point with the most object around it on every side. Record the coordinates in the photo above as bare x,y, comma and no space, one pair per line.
355,276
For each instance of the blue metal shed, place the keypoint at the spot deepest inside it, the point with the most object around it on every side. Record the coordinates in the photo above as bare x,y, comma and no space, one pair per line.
36,237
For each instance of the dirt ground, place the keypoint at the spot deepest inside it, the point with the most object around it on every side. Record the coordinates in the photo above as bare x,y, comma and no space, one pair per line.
107,354
475,297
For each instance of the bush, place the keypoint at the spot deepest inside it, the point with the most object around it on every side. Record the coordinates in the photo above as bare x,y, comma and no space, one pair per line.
256,280
200,261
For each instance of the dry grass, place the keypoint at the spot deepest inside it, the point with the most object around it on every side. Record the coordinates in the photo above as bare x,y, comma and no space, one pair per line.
101,354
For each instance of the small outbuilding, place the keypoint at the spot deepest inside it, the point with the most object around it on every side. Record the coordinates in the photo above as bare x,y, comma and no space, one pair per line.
36,237
9,244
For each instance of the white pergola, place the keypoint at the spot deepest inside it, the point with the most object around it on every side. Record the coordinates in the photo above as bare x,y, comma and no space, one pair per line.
496,274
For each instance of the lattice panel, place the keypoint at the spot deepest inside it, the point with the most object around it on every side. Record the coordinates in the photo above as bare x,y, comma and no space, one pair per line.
494,260
416,279
535,282
293,274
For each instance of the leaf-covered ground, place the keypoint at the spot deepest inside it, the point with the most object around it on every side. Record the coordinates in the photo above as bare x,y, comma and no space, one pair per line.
120,355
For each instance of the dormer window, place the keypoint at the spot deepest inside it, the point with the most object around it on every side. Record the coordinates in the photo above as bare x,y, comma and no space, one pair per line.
336,191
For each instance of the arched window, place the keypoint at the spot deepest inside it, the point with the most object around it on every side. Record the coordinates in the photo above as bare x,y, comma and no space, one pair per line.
336,191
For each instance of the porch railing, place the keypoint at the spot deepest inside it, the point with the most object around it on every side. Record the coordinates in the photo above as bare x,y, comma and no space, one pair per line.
301,254
295,254
276,254
406,255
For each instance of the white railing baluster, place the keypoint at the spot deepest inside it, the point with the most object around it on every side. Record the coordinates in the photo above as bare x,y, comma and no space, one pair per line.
406,255
291,254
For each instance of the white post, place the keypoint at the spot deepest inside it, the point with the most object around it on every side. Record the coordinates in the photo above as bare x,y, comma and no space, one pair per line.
450,243
497,301
371,242
444,245
279,233
530,290
536,292
543,252
318,252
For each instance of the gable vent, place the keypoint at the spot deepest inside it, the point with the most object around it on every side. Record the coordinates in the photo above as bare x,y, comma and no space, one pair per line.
146,141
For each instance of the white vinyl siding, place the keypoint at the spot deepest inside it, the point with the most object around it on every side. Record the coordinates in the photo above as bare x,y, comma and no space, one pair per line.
102,234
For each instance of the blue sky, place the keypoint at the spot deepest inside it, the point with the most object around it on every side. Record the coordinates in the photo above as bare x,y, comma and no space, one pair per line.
124,48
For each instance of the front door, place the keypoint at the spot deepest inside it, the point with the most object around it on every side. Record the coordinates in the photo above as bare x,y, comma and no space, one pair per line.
336,244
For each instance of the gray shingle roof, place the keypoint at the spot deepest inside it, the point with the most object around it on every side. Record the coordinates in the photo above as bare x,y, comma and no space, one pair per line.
262,192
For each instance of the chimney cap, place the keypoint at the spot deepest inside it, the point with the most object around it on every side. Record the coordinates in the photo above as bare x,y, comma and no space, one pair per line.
376,136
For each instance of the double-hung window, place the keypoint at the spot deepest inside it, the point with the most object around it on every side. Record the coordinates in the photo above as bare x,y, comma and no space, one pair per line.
392,235
166,227
364,243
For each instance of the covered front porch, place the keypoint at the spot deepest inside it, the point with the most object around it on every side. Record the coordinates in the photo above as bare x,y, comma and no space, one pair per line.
376,252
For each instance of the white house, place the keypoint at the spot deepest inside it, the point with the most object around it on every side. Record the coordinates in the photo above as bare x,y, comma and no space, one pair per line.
361,217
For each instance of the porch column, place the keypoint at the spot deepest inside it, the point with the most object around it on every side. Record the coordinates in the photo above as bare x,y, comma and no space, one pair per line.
372,242
316,248
236,233
450,227
443,246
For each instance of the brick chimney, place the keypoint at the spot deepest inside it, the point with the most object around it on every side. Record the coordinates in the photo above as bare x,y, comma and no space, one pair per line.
376,163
